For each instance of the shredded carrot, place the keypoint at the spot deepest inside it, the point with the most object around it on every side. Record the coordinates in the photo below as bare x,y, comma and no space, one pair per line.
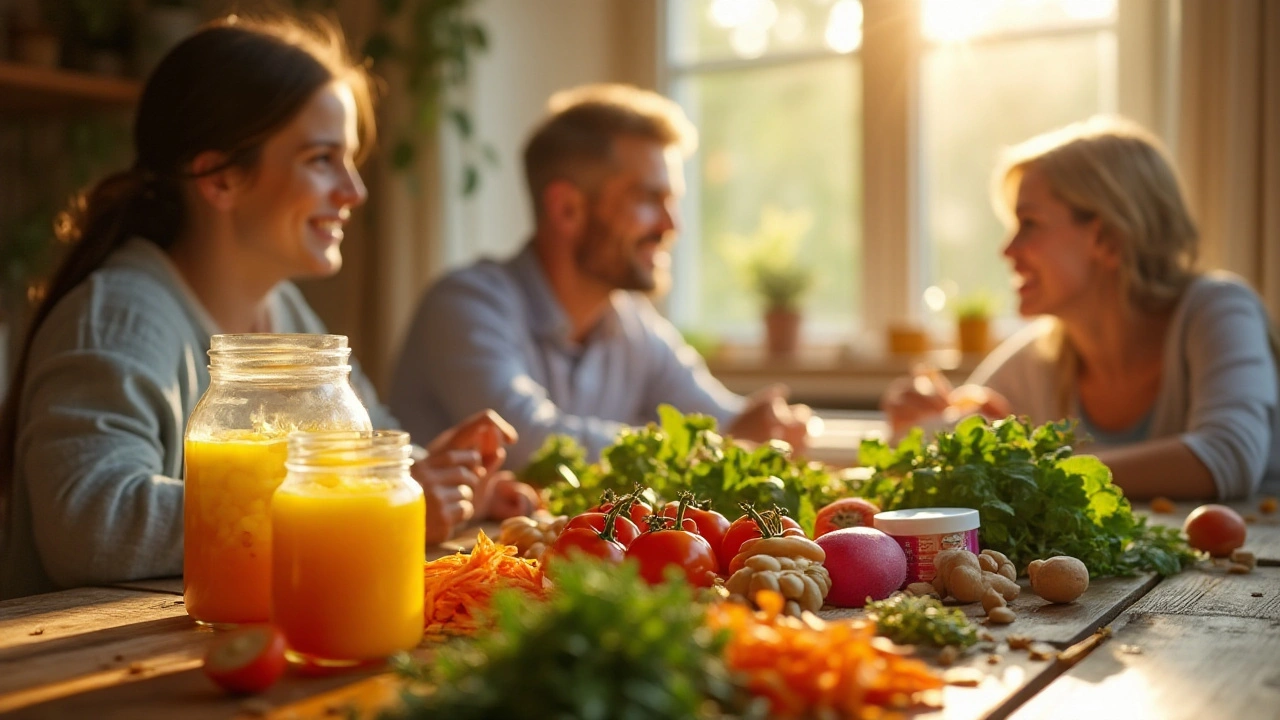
459,587
812,668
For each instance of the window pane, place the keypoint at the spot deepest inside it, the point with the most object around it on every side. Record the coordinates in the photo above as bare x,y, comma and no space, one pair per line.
782,139
709,30
953,20
975,101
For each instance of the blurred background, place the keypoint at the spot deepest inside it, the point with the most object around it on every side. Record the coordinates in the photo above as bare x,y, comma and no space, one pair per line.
842,181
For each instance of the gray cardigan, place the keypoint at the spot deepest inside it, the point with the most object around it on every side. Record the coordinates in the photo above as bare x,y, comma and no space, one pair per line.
1218,388
113,375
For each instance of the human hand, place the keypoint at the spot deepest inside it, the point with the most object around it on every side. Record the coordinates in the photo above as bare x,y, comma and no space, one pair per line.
767,416
485,435
449,492
454,476
509,497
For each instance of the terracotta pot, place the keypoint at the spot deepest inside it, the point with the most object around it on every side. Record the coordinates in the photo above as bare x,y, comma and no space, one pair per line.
907,339
782,332
973,335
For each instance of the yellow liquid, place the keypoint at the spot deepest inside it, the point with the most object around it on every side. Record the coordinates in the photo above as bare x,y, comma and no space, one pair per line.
227,528
347,579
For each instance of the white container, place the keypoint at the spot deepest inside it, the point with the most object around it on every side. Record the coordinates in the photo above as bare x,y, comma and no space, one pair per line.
925,532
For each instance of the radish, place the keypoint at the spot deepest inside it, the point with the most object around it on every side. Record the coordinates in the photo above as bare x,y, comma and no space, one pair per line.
863,563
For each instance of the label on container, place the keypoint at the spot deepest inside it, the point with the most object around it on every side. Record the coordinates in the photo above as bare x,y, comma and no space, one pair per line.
921,549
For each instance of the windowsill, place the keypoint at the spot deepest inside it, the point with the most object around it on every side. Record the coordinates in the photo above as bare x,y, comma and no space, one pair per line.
830,376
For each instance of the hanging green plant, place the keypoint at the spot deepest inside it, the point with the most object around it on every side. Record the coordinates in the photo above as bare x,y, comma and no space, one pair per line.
435,42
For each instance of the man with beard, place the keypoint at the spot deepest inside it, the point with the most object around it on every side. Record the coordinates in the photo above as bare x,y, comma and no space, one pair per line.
562,337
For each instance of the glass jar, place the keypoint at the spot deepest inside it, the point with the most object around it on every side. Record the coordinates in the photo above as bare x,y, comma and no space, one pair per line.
262,387
348,530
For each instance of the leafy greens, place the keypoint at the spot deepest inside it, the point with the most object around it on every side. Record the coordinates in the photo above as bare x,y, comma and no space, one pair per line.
684,453
1035,498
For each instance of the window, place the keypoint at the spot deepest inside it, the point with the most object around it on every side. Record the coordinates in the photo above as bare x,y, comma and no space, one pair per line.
776,90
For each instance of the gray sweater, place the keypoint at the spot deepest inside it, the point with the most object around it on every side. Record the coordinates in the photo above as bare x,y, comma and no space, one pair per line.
1218,386
113,375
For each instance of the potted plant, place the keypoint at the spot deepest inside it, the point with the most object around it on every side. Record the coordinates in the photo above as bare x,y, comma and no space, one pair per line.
769,262
973,322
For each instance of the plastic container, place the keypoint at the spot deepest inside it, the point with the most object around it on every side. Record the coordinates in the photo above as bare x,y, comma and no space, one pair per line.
262,387
925,532
348,532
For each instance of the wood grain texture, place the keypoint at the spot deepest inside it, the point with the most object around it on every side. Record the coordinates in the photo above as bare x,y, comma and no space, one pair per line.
42,618
172,585
1208,590
1171,667
1059,625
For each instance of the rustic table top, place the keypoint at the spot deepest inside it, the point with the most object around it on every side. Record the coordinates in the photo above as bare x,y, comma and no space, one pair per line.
1202,644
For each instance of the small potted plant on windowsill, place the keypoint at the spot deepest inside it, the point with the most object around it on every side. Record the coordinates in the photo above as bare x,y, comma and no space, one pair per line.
768,261
973,322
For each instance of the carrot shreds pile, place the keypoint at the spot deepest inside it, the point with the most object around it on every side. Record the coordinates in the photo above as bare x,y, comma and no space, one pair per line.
459,587
811,668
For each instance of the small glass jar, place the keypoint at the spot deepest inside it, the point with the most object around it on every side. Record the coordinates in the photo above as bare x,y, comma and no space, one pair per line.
262,387
348,532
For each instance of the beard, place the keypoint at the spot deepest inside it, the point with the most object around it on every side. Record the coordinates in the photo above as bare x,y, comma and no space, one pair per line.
612,259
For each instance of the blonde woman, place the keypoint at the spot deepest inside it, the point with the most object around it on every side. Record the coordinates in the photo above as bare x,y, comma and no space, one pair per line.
1168,370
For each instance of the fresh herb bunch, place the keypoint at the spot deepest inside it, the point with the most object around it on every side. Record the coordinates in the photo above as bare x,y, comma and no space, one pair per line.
909,620
1035,498
605,645
683,453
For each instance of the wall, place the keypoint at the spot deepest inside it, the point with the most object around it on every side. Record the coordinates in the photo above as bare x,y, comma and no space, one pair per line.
537,48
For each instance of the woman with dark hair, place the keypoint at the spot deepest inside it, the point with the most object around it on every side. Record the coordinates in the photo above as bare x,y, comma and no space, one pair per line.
247,137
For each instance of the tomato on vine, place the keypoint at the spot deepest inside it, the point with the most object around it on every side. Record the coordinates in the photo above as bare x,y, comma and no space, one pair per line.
665,546
602,543
710,524
626,531
744,529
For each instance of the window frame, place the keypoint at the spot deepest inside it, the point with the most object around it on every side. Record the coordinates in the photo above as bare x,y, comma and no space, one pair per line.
890,55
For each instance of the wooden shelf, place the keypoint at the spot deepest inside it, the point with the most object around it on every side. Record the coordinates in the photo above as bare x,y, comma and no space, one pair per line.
26,89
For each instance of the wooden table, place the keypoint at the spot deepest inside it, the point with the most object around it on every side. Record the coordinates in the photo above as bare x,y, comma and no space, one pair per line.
1203,644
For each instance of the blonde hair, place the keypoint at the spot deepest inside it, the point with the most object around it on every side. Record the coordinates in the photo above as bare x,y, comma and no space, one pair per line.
1117,172
575,141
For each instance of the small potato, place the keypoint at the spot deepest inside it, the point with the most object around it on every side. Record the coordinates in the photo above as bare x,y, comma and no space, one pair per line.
921,589
1059,579
1001,616
966,584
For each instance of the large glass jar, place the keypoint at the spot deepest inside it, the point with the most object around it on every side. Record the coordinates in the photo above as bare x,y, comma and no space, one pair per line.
348,528
262,387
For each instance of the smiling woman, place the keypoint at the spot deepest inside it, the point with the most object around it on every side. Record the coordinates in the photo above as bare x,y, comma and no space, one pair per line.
247,139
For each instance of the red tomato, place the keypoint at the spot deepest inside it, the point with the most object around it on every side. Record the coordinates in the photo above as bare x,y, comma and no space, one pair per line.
588,541
247,660
710,524
623,529
742,530
1215,529
843,513
685,549
637,512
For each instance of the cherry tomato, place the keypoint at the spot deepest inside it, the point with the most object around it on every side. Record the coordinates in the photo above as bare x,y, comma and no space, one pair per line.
637,512
589,542
710,524
843,513
685,549
624,530
247,660
1215,529
742,530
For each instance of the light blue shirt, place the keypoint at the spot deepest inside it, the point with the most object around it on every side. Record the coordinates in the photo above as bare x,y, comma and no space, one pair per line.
493,335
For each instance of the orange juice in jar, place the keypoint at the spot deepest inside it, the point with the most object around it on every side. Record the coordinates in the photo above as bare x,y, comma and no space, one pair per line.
261,387
349,528
227,543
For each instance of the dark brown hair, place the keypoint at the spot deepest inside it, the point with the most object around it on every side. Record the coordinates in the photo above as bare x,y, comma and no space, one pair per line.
575,141
227,88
